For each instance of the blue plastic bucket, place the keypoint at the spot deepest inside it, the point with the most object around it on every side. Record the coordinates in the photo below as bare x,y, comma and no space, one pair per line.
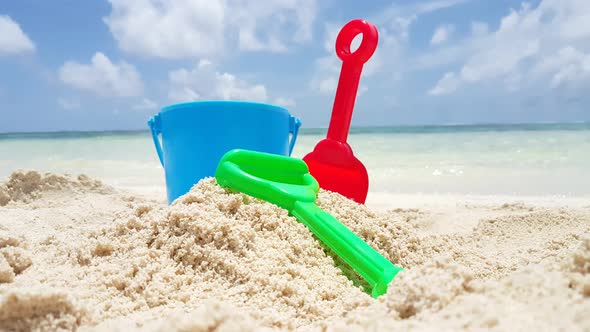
195,135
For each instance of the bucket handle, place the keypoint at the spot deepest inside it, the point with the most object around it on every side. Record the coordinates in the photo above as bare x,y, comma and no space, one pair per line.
154,124
294,124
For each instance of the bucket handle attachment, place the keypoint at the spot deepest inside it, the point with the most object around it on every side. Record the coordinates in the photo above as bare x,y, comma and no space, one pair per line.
294,124
154,124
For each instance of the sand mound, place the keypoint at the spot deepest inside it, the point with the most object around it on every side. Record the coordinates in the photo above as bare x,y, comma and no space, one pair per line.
580,268
221,261
29,185
14,259
40,309
211,244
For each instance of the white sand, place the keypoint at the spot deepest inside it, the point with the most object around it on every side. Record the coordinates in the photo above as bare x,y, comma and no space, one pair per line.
78,255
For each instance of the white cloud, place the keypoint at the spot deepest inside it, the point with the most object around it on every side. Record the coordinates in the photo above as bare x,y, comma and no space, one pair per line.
445,55
265,25
431,6
145,104
412,10
398,18
205,82
327,69
168,29
12,38
446,85
68,104
285,102
250,42
567,65
189,28
331,32
442,34
525,38
328,86
393,24
102,77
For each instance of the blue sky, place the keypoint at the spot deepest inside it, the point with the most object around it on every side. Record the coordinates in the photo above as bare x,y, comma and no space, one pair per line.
104,65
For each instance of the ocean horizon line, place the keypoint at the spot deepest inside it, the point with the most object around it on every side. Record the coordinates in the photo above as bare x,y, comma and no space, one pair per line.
402,128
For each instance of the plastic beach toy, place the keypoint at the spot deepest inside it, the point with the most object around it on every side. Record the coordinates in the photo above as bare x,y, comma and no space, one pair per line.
332,161
286,182
190,138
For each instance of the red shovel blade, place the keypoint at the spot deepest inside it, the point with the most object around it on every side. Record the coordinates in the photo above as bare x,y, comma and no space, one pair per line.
336,169
332,162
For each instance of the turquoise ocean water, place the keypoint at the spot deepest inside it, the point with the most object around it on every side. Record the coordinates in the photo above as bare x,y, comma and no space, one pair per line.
528,159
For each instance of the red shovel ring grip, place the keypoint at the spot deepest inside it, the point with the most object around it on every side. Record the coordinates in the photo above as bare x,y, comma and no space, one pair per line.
347,34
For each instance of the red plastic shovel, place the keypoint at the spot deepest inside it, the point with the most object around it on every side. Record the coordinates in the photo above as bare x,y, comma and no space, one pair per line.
332,162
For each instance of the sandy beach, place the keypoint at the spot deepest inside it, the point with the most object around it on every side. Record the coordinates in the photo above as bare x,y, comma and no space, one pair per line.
77,254
466,123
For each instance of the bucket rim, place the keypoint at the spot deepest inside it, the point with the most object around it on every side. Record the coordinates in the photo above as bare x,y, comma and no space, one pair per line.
189,104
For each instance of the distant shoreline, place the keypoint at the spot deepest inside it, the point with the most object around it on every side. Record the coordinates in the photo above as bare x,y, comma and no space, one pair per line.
401,129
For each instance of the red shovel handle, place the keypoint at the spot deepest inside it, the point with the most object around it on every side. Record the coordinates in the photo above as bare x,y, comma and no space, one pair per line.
350,74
